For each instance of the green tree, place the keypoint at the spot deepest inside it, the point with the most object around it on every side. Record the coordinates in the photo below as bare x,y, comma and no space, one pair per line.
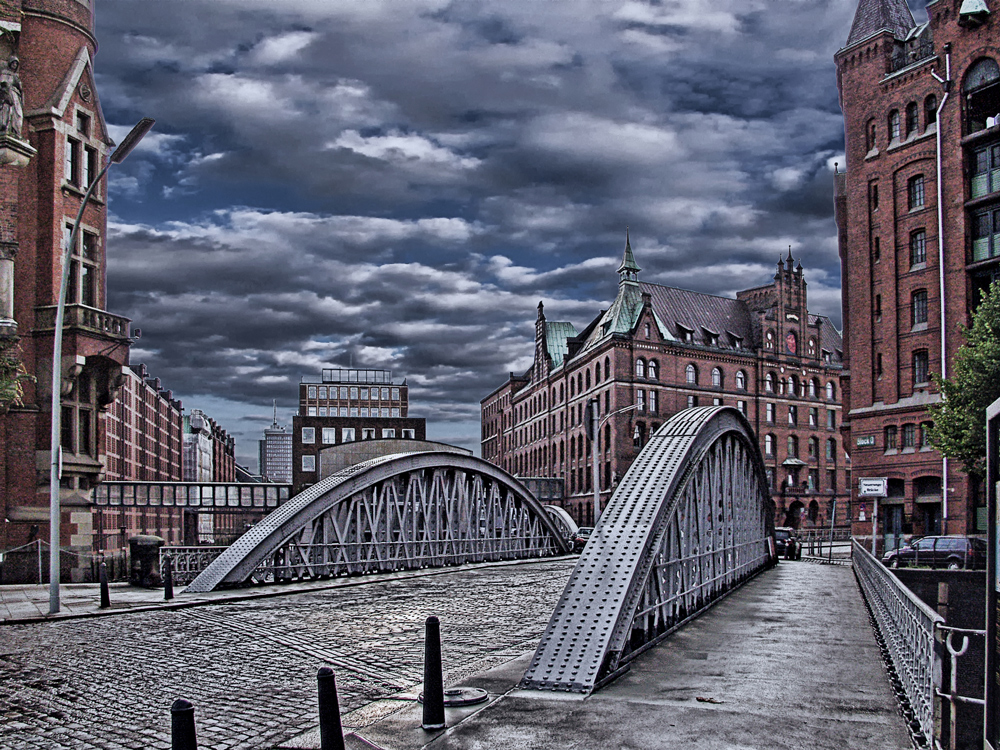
959,429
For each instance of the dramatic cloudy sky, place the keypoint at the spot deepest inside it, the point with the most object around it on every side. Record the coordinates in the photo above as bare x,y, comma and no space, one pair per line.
397,183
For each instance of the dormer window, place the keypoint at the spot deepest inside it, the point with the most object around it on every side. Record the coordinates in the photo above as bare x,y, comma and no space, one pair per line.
826,356
735,341
711,338
685,334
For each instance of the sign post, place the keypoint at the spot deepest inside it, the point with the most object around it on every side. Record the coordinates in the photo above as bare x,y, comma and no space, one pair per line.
873,487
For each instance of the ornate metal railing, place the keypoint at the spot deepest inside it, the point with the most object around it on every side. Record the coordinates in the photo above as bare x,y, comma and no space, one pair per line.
907,626
82,316
188,562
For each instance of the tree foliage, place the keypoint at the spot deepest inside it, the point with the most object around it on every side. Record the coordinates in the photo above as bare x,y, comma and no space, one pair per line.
959,429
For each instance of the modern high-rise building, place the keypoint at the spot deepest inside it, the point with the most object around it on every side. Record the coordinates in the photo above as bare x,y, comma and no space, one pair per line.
275,453
53,143
657,350
918,217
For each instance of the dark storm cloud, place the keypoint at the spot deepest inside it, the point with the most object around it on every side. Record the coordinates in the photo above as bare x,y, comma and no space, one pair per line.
397,184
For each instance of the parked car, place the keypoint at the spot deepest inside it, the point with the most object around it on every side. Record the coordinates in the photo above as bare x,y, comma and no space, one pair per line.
952,552
580,538
785,543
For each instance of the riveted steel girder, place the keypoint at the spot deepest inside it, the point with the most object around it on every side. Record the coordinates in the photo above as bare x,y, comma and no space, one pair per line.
689,521
397,512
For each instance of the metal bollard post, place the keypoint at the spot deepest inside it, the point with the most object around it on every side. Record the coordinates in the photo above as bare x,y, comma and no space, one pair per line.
331,733
433,680
105,591
182,735
168,578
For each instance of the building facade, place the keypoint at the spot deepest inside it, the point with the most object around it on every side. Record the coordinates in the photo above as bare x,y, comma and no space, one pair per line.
658,350
143,431
53,142
275,453
345,406
209,451
918,217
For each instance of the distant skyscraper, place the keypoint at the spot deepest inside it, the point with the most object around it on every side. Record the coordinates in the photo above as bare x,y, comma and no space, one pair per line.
276,452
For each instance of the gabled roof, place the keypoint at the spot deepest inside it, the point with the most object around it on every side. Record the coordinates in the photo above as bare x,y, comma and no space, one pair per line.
702,313
556,334
60,99
874,16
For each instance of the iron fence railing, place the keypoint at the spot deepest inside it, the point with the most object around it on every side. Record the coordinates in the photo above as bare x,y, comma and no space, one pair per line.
907,626
188,562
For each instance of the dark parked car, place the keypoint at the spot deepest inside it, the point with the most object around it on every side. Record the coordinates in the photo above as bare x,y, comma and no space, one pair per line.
580,538
953,552
786,544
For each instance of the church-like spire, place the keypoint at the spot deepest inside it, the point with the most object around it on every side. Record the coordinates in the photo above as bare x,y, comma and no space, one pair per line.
628,270
873,16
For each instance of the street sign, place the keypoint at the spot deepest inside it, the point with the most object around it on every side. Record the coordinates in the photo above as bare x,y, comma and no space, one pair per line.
872,486
865,441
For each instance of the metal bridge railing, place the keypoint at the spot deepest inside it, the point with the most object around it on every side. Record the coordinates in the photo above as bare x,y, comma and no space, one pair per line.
188,562
907,626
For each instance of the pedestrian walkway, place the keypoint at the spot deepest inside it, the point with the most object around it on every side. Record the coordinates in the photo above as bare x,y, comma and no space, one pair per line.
26,603
787,661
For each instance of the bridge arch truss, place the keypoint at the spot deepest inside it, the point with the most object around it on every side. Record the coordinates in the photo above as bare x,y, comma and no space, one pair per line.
689,522
397,512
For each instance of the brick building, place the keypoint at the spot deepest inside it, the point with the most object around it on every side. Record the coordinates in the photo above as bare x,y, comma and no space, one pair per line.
209,451
347,405
663,349
918,216
53,141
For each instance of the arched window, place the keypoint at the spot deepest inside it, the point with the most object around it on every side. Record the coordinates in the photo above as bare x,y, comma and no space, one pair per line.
919,307
691,374
716,377
588,380
651,369
812,347
930,110
769,340
572,387
741,380
870,135
980,88
813,388
607,368
911,119
793,386
769,445
915,192
640,368
831,450
831,391
769,382
647,329
814,447
894,125
597,373
793,446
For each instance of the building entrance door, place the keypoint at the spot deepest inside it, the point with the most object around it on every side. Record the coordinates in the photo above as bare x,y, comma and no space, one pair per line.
892,525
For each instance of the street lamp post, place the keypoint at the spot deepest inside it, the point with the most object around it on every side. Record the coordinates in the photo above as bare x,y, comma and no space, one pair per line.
55,447
595,425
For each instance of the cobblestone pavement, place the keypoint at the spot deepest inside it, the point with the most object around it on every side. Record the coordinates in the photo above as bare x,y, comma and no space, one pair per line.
250,667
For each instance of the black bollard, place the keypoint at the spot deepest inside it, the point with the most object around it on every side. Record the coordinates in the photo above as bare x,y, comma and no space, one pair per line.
105,591
168,578
433,681
331,733
182,725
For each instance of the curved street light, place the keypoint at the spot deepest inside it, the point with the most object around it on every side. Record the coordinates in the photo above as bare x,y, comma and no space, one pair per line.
117,157
596,425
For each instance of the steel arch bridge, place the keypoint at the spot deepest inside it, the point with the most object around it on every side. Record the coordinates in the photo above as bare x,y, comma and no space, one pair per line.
690,521
397,512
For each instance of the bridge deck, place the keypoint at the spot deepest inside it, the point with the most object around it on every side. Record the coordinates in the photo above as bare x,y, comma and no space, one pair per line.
787,661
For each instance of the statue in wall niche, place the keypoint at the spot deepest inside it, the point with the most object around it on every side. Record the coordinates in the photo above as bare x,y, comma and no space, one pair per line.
11,99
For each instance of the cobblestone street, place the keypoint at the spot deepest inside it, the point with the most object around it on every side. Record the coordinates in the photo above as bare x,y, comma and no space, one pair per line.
250,667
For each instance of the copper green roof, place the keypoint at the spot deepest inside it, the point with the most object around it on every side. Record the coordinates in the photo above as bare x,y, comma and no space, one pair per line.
556,334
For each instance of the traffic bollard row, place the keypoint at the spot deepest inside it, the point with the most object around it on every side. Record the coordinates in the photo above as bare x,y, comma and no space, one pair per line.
105,591
331,733
433,679
168,578
182,735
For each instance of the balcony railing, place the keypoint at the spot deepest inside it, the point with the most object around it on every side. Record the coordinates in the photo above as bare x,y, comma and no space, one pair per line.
907,55
83,317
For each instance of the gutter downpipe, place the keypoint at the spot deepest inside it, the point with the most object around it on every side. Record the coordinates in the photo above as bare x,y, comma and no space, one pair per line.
940,221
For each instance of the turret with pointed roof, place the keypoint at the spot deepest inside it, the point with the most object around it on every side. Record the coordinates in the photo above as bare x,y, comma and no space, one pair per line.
874,16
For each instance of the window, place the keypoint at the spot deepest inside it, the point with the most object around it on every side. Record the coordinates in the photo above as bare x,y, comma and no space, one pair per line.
691,374
793,446
640,400
813,417
878,364
831,419
394,411
385,394
311,392
692,401
918,247
812,347
652,402
347,434
607,369
769,382
912,121
83,269
308,435
873,196
921,371
367,433
409,434
388,432
742,406
793,415
925,434
72,163
647,330
915,192
813,387
909,436
831,391
741,380
354,411
588,379
343,411
769,340
894,125
870,133
814,447
311,411
364,393
812,480
651,369
890,438
793,385
309,463
878,307
986,235
985,171
354,394
769,445
343,392
930,110
716,401
322,392
329,435
716,377
769,411
770,477
831,450
395,394
383,412
640,368
364,411
919,307
877,250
